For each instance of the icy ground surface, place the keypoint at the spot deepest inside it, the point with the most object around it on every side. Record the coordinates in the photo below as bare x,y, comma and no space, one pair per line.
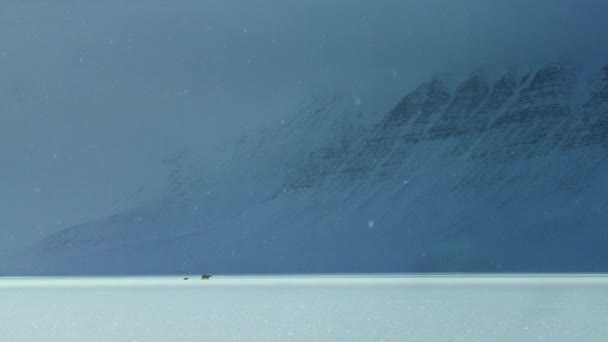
306,308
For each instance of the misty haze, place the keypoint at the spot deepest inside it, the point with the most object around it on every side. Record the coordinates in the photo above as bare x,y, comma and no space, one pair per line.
256,137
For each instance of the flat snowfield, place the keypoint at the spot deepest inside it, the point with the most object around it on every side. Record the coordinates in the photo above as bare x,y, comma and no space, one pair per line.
306,308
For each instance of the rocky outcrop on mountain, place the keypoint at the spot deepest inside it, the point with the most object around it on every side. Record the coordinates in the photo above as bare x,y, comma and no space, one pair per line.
505,171
515,118
538,109
468,98
589,129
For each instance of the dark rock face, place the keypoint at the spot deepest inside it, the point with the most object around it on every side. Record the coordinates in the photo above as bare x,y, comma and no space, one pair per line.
594,130
502,91
511,118
537,110
404,126
468,98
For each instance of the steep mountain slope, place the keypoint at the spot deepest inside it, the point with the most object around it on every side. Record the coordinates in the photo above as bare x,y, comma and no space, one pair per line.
500,172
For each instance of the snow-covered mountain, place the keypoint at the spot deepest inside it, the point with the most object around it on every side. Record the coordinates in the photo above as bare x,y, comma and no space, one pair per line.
500,171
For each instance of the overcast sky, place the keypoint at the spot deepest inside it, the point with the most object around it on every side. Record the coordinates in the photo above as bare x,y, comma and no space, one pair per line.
94,94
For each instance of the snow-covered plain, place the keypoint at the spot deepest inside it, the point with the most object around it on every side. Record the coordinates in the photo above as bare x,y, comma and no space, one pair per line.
306,308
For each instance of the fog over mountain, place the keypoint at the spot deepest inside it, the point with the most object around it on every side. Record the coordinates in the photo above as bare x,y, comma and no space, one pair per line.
385,137
495,172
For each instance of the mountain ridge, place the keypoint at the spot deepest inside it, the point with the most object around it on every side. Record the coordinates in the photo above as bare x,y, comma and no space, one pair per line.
500,173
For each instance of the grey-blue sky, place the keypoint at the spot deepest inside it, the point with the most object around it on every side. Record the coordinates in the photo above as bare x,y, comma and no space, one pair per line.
94,94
